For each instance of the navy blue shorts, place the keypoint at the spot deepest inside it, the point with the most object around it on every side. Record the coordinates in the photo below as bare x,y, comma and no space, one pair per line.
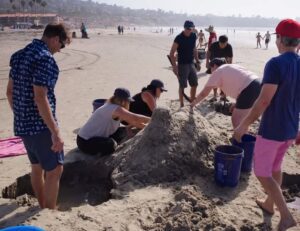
248,96
39,151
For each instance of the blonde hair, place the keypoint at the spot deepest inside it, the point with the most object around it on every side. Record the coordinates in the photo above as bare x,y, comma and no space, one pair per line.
121,102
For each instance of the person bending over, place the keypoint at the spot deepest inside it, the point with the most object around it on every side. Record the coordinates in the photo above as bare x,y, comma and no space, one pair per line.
236,82
102,132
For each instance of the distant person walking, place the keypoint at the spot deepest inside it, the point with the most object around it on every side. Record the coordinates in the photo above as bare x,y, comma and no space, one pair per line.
185,45
83,31
258,40
30,92
201,40
279,105
267,39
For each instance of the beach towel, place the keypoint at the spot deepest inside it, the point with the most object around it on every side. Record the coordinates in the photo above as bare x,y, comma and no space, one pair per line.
12,147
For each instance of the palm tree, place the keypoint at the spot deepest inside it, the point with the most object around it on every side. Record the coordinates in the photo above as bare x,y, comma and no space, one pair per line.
14,7
31,4
23,4
44,4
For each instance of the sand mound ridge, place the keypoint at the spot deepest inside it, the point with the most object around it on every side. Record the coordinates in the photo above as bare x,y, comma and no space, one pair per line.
174,146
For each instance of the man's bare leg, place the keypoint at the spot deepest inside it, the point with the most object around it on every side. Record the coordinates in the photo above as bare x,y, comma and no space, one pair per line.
181,97
38,183
274,192
52,186
193,93
268,203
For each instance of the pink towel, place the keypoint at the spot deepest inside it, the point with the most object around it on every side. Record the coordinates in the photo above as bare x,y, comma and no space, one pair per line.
12,147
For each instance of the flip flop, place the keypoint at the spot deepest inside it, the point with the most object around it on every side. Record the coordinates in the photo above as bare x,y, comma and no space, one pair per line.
259,204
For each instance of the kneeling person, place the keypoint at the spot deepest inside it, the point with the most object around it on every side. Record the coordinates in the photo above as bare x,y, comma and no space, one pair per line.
236,82
145,102
102,132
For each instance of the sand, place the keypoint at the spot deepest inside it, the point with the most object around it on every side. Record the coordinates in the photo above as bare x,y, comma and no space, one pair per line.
152,182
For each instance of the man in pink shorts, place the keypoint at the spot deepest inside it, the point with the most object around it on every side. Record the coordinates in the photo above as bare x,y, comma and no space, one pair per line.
278,103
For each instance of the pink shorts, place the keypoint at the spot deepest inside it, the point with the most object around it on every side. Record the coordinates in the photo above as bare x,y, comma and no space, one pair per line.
268,155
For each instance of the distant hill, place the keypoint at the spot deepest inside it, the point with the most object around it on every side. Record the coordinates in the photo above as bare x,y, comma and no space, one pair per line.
100,14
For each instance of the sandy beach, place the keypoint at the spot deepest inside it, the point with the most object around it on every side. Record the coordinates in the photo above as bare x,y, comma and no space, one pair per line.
93,68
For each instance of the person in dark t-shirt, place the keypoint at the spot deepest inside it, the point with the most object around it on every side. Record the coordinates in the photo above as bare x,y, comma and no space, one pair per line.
185,45
278,103
145,102
219,49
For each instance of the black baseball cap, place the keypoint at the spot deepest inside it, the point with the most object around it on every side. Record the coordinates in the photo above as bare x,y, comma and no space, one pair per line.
188,24
218,62
158,84
123,93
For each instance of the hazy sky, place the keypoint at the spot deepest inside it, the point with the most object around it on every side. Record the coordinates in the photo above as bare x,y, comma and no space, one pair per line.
264,8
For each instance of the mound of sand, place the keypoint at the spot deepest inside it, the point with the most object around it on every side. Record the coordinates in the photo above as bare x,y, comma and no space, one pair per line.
175,146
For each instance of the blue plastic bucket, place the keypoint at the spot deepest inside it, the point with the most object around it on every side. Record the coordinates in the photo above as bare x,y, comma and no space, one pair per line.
98,103
228,162
23,228
247,144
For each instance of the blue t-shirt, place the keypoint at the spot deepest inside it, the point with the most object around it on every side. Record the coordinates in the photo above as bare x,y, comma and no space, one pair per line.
280,120
185,48
33,65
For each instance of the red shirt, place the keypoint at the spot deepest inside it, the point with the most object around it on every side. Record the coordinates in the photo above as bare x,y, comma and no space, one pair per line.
212,38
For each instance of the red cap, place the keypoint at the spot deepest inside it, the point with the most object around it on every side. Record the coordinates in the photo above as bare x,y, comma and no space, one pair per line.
288,28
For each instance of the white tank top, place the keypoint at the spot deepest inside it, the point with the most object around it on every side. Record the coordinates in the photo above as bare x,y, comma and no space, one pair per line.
101,123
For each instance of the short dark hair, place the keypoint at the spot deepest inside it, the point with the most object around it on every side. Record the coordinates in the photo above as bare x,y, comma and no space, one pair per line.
57,29
223,39
290,42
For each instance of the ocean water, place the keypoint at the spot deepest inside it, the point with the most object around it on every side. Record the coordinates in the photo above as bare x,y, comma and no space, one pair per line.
241,35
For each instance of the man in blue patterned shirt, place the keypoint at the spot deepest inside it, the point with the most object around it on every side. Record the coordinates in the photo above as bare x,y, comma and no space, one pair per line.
30,92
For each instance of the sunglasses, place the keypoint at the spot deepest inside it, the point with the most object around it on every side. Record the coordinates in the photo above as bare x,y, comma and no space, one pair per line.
62,45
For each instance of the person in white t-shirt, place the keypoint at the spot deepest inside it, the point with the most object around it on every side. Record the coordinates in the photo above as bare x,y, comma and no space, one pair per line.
236,82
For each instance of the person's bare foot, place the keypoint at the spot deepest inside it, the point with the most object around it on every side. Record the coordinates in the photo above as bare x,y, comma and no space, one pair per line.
268,209
285,224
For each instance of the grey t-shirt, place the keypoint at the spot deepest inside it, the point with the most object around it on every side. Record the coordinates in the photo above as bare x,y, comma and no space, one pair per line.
101,123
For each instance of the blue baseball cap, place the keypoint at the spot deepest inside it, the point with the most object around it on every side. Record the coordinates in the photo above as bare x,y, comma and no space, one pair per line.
123,93
158,84
188,24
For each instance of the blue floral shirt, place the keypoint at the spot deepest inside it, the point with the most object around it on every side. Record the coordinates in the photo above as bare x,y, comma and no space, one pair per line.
33,65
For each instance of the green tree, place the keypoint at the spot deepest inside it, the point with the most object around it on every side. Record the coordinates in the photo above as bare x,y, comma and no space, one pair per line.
44,4
31,4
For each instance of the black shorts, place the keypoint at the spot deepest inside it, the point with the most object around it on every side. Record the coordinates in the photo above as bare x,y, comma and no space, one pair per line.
248,96
267,41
